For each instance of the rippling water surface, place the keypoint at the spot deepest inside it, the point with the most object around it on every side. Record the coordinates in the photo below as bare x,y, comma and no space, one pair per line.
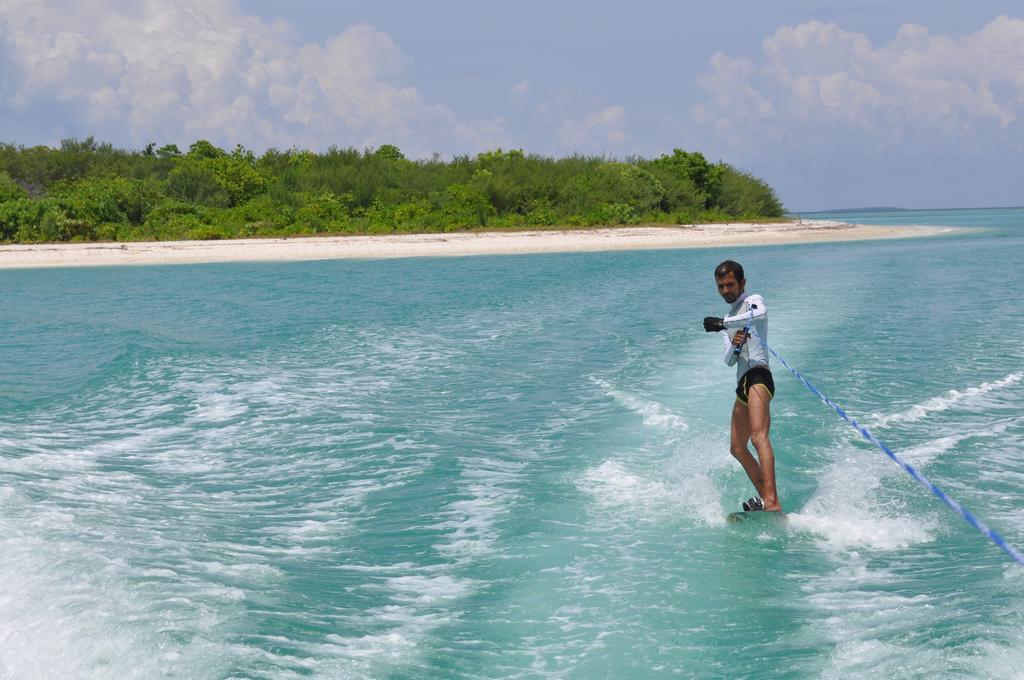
510,466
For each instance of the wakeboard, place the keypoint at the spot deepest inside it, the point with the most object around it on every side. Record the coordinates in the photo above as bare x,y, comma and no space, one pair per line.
757,515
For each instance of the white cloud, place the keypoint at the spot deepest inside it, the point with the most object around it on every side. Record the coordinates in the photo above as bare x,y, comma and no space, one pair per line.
818,87
603,130
569,121
521,89
176,71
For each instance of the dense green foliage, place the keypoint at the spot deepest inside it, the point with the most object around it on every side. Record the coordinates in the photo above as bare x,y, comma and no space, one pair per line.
86,191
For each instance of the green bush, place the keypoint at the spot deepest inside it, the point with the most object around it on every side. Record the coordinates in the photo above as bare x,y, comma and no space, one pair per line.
638,189
172,219
111,231
615,213
239,178
542,216
95,200
693,168
175,227
202,149
323,212
744,195
52,224
466,206
206,232
89,190
415,216
262,216
9,189
379,218
20,219
389,152
196,181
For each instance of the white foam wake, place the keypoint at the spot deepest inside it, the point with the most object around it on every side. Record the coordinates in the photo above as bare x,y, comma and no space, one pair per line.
926,453
847,514
951,399
654,495
652,413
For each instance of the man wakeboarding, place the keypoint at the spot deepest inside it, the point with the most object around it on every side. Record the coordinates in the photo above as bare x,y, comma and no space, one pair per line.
751,412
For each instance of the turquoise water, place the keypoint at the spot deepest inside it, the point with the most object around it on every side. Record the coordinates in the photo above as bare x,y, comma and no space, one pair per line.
510,466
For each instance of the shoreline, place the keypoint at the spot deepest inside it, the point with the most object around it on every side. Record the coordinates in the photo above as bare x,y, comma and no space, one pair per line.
456,244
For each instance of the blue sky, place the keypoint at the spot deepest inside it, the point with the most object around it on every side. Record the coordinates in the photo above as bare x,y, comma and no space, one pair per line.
837,104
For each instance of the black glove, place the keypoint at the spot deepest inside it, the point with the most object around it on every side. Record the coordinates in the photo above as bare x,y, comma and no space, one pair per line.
713,324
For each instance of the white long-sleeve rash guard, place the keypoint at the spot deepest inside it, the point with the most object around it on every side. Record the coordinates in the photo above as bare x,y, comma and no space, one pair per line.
749,309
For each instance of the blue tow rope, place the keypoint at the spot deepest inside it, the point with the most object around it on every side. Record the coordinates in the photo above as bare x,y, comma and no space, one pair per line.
910,469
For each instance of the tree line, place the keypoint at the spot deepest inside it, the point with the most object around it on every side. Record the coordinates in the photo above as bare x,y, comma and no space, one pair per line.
90,191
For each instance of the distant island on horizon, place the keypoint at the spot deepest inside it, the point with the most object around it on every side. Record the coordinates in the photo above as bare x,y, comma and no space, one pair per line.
855,210
840,211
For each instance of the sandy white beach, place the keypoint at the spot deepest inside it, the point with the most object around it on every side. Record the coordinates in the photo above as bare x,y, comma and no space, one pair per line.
447,245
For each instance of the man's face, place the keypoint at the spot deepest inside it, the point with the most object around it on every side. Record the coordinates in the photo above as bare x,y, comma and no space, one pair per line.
729,288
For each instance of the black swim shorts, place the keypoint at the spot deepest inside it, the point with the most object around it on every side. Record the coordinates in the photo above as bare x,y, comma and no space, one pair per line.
758,375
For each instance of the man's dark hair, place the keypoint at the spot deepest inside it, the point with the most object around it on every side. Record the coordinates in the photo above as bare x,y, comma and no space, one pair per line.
723,270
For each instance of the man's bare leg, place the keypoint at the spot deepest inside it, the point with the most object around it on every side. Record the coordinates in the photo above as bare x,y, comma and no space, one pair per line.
760,420
738,445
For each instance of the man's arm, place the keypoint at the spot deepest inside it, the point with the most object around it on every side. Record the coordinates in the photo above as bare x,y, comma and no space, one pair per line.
758,311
